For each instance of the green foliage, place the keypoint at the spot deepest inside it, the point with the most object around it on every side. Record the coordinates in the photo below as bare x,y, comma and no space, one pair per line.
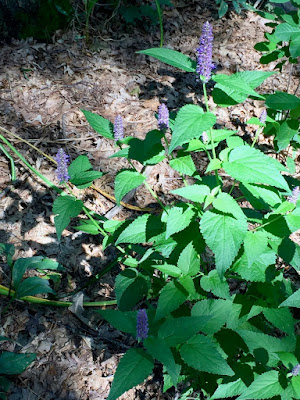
220,315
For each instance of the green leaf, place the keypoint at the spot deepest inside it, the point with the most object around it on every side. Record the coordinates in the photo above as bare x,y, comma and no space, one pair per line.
218,310
213,165
201,353
100,124
285,32
295,47
32,286
149,151
222,9
235,83
19,268
264,386
221,134
230,389
159,350
224,235
126,181
135,366
260,196
88,227
226,204
257,340
141,230
81,172
171,57
175,331
185,165
296,385
287,130
179,218
254,78
195,193
190,122
282,101
188,261
292,301
249,165
172,295
168,269
257,271
66,207
15,364
123,321
213,283
281,318
130,288
255,244
293,220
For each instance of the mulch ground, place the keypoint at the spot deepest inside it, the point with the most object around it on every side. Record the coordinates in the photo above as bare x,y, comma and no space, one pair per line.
42,89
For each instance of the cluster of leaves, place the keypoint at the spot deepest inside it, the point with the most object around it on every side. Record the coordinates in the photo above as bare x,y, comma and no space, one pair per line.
133,13
223,323
283,43
16,363
225,343
236,5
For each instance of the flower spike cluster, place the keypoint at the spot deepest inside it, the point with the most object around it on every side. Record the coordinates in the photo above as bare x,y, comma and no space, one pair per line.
294,196
163,117
296,370
62,160
142,325
204,51
118,128
263,116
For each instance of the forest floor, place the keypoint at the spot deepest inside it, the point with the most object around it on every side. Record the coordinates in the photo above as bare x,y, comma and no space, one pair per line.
42,89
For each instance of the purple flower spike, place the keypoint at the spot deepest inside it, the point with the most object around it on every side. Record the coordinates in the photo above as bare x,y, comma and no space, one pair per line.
118,128
295,194
142,325
296,370
163,117
62,166
263,116
204,51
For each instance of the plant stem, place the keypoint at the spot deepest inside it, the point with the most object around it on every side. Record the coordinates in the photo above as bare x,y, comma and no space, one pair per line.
259,130
159,12
32,299
12,163
210,133
155,196
49,183
267,223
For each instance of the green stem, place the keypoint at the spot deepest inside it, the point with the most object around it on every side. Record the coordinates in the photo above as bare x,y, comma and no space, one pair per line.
232,187
159,12
32,299
210,133
49,183
155,196
259,130
267,223
12,163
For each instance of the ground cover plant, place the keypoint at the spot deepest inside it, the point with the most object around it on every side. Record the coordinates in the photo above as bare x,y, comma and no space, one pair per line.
175,296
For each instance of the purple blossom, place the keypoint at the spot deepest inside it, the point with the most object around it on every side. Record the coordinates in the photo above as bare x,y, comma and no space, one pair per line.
204,51
294,196
163,117
296,370
263,116
62,160
142,324
118,128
